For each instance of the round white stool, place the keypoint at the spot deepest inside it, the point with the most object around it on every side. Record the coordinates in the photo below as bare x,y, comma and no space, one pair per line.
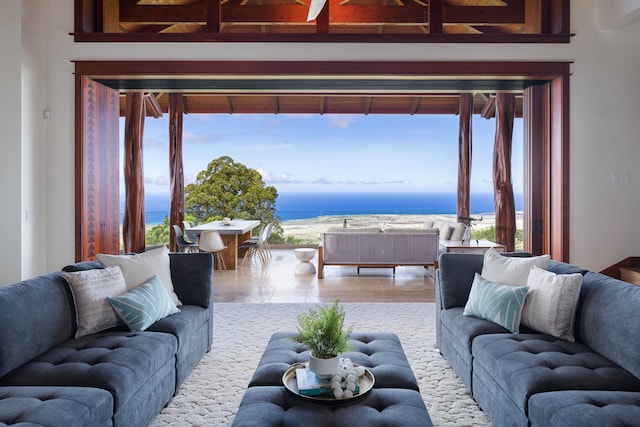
305,255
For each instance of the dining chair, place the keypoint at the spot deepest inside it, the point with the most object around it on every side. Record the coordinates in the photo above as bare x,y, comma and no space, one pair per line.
211,241
255,248
189,237
183,245
266,229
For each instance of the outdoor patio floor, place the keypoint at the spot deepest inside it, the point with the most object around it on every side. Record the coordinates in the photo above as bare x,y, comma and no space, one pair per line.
277,283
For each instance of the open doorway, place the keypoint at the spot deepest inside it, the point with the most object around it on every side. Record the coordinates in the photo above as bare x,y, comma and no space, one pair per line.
329,85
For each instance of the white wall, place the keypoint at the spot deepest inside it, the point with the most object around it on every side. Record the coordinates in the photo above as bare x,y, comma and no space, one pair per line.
34,137
605,119
10,144
613,14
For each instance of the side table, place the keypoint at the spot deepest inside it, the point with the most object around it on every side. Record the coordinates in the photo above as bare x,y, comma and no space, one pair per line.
305,255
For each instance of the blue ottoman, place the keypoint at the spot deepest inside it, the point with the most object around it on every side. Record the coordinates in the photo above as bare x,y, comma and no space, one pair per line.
395,399
55,406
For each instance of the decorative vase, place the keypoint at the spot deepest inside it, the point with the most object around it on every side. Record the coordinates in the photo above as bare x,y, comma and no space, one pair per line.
324,368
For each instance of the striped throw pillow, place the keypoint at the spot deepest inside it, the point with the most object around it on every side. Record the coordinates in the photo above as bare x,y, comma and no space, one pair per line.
144,305
501,304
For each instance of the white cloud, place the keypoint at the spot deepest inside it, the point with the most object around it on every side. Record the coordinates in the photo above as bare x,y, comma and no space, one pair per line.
341,121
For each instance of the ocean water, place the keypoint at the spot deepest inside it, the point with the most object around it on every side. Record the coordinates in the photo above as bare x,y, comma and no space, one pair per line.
311,205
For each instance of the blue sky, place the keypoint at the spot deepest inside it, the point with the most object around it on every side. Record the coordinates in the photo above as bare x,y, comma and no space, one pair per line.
331,153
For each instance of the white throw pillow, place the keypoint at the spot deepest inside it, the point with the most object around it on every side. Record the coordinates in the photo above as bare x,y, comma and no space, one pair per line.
445,231
90,289
428,223
551,303
512,271
458,231
139,268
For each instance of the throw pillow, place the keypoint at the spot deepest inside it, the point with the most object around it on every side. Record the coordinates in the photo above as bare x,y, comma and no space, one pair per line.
139,268
510,270
428,223
501,304
90,288
552,301
458,231
143,306
445,231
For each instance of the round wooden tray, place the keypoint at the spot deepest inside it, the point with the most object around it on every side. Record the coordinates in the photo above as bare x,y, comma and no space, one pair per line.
366,382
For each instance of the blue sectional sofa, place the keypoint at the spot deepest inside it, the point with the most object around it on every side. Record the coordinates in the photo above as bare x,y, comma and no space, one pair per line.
115,377
533,379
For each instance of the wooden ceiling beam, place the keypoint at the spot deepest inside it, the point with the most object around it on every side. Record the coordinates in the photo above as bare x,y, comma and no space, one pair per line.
367,105
489,109
185,105
153,106
415,104
513,14
435,16
212,14
229,104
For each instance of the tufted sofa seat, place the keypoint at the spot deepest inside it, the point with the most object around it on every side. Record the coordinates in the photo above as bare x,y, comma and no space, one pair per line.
395,399
534,379
115,377
130,365
43,406
579,408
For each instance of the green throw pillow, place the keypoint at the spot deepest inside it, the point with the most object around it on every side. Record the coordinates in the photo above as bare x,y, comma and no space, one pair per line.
501,304
144,305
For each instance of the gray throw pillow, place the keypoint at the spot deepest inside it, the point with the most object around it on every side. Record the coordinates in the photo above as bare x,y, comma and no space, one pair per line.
90,289
551,303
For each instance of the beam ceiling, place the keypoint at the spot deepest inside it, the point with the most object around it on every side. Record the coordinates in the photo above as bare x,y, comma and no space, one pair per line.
339,20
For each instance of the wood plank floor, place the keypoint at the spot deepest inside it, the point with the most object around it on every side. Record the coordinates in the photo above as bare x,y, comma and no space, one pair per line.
277,283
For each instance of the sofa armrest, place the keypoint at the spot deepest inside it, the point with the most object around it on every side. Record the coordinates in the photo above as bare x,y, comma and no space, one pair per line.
455,276
192,276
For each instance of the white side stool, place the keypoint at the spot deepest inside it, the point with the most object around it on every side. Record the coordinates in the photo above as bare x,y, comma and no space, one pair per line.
305,255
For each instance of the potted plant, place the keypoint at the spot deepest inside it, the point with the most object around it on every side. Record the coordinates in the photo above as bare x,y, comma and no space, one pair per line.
322,331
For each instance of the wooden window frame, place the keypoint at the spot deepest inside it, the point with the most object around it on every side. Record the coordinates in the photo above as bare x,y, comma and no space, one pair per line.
546,122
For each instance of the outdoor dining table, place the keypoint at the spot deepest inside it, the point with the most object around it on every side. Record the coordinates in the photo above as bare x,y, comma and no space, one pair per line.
233,235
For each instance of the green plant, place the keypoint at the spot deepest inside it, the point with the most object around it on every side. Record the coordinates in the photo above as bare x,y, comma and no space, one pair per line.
158,234
322,330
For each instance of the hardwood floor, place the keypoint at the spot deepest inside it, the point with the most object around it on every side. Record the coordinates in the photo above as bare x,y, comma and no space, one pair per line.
277,283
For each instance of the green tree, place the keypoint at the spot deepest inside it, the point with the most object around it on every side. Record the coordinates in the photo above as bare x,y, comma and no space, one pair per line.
158,234
230,189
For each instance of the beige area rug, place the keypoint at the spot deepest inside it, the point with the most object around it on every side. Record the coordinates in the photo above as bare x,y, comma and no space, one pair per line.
212,394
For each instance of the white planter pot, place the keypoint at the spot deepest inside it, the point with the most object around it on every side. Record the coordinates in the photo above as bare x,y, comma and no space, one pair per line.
324,368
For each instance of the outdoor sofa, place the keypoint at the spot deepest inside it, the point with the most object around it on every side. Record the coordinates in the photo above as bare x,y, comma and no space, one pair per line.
115,377
373,247
589,377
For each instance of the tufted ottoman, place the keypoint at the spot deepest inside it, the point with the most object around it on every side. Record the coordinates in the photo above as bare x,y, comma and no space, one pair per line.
59,406
395,399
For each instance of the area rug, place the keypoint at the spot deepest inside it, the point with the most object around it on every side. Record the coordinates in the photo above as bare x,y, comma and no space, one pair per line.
212,394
